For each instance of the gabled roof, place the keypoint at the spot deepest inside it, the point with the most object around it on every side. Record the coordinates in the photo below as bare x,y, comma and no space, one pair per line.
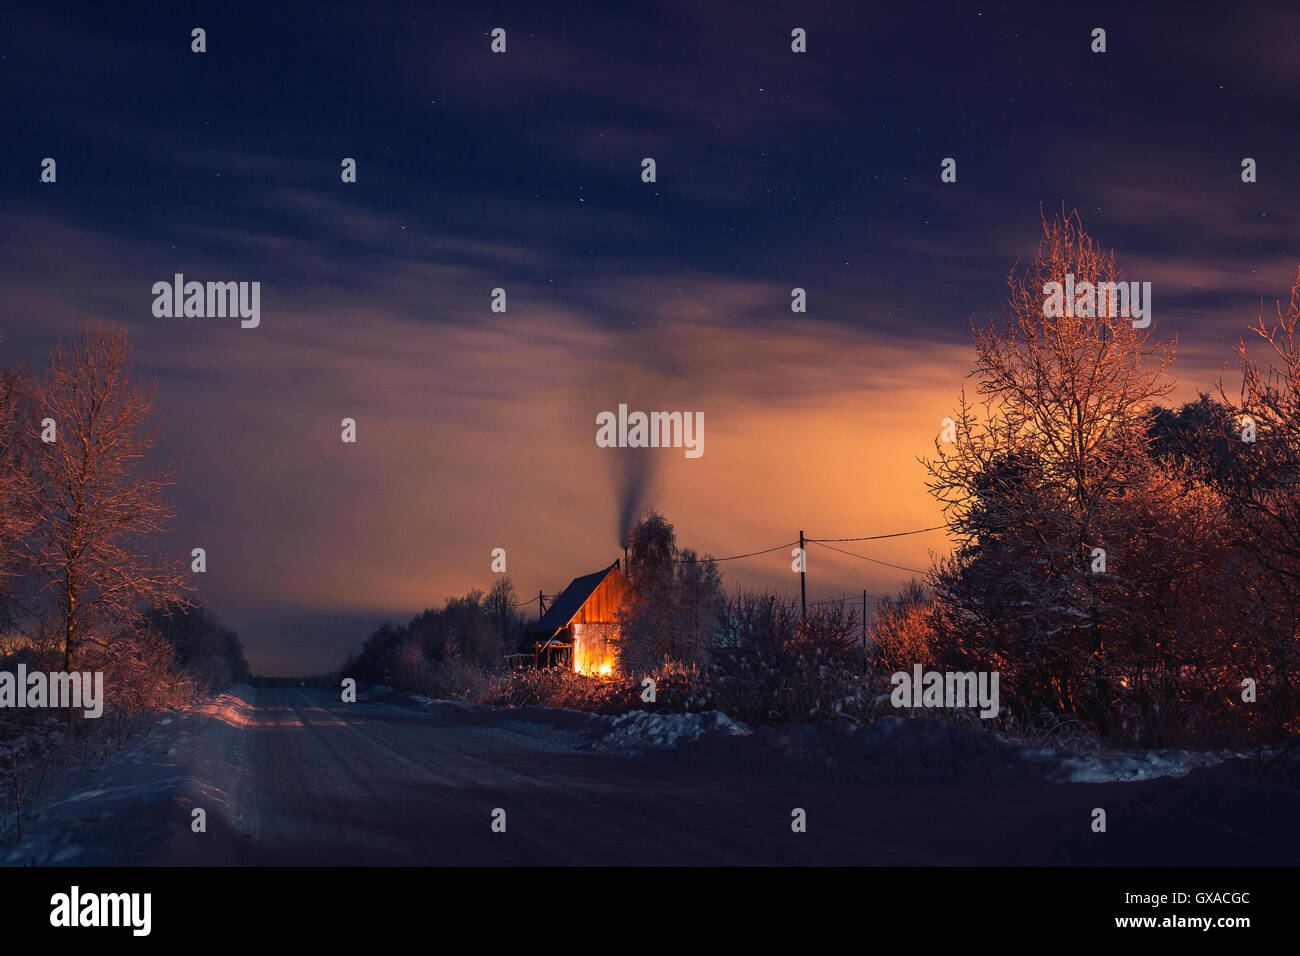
571,600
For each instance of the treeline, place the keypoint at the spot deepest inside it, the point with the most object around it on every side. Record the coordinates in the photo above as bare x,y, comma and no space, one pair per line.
1123,564
444,652
330,680
205,649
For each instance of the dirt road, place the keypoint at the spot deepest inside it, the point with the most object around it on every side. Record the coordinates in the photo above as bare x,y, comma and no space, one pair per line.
299,777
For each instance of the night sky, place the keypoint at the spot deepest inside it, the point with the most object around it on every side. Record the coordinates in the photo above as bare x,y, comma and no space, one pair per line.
522,170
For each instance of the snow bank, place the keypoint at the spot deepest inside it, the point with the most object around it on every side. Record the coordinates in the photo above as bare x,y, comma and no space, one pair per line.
143,794
1111,766
642,730
898,750
890,750
631,732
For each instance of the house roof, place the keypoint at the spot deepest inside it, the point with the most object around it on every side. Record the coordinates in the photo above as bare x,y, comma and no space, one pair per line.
571,600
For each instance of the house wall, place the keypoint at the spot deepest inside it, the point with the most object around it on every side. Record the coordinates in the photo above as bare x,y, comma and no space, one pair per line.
595,628
602,607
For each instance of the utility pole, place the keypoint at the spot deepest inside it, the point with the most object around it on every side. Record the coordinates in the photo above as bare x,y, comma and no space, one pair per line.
803,576
864,619
541,601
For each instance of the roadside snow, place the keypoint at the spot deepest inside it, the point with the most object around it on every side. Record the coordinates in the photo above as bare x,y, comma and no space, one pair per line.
145,791
892,749
642,730
1112,766
911,750
631,732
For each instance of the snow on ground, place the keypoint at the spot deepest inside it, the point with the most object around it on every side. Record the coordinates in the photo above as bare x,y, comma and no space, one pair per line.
136,805
899,750
892,749
632,732
1107,766
642,730
145,789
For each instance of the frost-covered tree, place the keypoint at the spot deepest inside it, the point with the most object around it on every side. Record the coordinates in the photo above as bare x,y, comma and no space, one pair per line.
99,509
16,482
1032,482
675,602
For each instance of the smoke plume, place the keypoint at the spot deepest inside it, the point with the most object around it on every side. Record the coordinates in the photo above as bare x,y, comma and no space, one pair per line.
634,473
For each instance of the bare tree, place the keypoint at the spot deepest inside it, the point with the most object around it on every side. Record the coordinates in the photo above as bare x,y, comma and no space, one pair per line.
1262,487
1265,485
97,507
16,479
1031,481
1073,392
676,597
500,605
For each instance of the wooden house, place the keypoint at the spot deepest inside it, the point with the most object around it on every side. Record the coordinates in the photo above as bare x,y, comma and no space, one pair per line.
584,622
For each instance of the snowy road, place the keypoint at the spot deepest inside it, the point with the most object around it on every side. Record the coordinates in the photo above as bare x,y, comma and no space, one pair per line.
294,776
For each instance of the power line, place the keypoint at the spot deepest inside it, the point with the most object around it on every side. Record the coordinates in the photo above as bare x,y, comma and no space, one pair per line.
822,541
877,537
872,560
736,557
790,544
846,599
